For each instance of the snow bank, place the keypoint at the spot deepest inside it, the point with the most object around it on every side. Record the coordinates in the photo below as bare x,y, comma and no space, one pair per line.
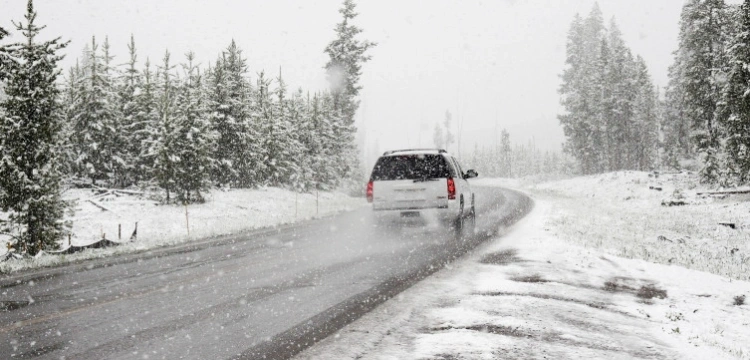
225,212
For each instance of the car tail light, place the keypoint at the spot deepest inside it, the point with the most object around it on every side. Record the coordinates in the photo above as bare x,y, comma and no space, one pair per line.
451,189
369,191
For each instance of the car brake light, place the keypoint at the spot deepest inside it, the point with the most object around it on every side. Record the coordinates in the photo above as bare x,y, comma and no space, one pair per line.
369,191
451,189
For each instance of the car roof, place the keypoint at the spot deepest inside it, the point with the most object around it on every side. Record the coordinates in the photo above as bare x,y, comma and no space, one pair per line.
414,152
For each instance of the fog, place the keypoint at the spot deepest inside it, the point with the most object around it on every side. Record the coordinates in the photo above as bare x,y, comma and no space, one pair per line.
493,64
176,216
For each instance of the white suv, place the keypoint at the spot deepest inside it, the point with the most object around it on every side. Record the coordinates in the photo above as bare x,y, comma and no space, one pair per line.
418,180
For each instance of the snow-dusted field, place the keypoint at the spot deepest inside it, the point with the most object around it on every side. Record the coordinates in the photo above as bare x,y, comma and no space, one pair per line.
620,214
225,212
553,285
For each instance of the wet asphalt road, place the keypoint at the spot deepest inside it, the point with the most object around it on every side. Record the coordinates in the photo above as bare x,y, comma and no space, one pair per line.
267,294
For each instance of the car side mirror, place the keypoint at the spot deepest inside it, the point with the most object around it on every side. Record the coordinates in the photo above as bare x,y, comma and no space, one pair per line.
471,174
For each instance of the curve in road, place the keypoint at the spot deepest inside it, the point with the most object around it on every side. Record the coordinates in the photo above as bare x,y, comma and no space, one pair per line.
267,295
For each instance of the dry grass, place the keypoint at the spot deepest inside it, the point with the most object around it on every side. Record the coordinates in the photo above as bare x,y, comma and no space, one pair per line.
739,300
535,278
504,257
597,215
650,291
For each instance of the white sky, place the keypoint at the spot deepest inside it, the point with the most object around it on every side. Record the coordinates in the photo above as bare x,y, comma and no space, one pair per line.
491,63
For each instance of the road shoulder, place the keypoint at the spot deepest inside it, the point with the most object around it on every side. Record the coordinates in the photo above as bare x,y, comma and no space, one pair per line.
528,294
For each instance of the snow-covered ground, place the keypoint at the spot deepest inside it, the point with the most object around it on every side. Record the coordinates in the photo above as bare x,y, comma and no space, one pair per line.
554,287
225,212
622,214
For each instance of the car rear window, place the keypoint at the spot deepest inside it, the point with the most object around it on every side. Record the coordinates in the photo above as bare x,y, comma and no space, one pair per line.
410,167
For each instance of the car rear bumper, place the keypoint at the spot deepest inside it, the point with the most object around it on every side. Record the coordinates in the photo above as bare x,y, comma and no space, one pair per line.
408,207
448,210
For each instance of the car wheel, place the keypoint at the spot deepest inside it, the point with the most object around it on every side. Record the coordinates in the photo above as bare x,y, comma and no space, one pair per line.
465,224
470,223
460,222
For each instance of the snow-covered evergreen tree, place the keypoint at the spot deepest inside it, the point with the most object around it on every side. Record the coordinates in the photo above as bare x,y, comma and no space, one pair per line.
70,92
438,138
581,92
195,141
506,155
602,106
30,126
645,126
279,143
302,135
5,59
164,146
736,114
447,123
95,117
226,130
675,124
144,120
328,167
600,90
116,143
702,67
619,123
442,135
133,126
346,54
572,95
238,156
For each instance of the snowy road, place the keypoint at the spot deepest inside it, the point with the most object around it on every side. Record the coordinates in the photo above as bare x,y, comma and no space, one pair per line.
272,293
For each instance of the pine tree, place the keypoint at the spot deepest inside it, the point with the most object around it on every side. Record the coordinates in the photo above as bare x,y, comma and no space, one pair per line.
132,128
238,156
96,120
164,144
506,156
70,93
269,130
581,92
438,137
645,129
594,124
30,127
736,94
302,133
281,145
226,144
603,107
344,68
449,137
194,140
618,123
329,168
700,44
600,90
145,119
116,142
5,59
323,160
573,98
676,125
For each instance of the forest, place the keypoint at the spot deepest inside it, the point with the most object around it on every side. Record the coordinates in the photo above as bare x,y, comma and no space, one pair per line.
170,125
615,119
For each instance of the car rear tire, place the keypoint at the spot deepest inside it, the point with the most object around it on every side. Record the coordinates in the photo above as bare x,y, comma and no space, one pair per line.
470,224
465,223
